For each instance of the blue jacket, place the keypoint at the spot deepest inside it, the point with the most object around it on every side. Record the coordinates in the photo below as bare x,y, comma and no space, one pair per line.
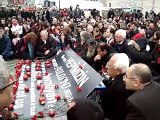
7,49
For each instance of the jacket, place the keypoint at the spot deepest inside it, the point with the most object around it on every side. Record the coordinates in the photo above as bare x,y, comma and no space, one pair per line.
114,99
145,104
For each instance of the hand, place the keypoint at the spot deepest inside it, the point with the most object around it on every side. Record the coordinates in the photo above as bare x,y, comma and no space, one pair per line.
47,52
70,105
132,42
97,57
14,41
90,48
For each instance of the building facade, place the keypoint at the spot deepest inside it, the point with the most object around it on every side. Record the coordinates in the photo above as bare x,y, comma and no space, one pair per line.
144,5
84,4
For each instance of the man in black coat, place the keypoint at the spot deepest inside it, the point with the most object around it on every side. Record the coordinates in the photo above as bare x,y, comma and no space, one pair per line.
104,52
46,15
131,48
144,104
77,12
46,47
115,96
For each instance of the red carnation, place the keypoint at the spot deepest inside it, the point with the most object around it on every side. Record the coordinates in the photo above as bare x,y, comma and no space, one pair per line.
158,60
158,49
79,89
34,117
41,114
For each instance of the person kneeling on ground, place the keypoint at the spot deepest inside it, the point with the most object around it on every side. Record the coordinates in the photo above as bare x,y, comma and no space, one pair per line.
46,47
5,46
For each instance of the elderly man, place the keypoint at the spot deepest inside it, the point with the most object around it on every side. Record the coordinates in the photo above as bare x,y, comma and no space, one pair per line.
115,96
46,47
144,104
84,35
131,48
5,89
121,41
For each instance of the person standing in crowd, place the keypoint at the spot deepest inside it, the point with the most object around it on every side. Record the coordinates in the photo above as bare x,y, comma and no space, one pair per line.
5,92
84,109
111,13
77,12
46,47
54,13
144,104
71,12
46,15
3,13
115,96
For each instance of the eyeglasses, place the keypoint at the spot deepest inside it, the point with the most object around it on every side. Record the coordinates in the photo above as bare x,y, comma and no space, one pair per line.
132,78
8,85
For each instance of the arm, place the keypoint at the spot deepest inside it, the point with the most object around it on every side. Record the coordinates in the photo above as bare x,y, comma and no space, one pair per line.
138,56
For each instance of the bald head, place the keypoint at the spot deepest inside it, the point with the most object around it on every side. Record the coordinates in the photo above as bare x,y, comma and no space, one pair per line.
142,72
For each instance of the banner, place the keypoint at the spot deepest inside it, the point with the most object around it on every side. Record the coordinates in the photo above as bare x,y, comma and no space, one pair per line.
66,77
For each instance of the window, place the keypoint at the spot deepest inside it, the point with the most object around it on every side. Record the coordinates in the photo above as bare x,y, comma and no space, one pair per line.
110,5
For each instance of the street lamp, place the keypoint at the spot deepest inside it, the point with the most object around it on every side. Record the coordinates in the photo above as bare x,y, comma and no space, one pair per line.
59,5
153,5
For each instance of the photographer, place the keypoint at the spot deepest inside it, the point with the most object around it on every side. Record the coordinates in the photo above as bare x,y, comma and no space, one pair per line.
91,52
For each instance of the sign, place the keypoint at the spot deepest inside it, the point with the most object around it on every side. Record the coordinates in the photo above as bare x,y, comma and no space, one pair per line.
75,78
72,71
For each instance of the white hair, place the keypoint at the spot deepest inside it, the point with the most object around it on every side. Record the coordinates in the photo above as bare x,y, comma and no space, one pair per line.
121,32
44,32
85,35
122,61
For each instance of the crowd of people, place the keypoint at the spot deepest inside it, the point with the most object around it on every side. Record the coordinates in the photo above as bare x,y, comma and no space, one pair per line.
125,47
